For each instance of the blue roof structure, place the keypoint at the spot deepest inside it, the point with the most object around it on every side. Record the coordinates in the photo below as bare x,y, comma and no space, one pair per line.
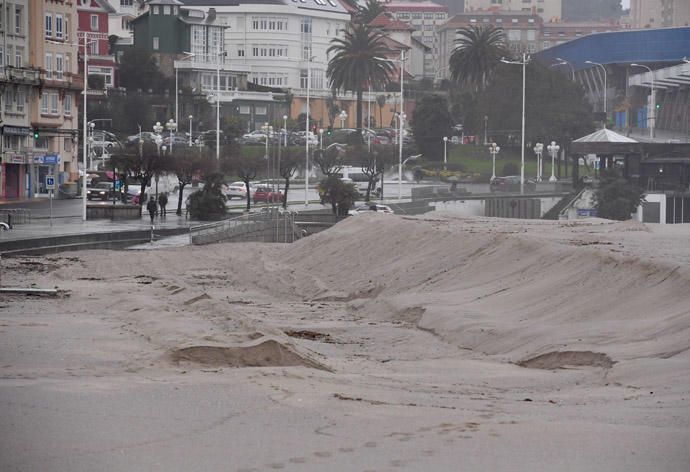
622,47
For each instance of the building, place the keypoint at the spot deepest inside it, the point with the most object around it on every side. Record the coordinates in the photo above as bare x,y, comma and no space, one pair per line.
556,33
659,13
399,39
548,10
522,32
18,89
93,25
52,35
425,17
120,20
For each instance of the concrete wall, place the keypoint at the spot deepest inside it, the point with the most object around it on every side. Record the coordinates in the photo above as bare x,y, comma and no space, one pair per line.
113,212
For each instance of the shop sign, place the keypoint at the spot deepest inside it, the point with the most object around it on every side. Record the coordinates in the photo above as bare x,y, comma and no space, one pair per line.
47,159
16,130
10,158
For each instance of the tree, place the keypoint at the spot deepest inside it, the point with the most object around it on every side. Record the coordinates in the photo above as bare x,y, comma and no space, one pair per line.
141,162
246,167
188,164
357,63
381,102
477,53
370,10
333,108
339,194
138,69
328,160
209,202
430,123
360,157
615,198
289,162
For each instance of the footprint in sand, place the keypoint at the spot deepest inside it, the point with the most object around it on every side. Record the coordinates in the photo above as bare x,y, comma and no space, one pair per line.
322,454
370,444
276,465
346,449
298,460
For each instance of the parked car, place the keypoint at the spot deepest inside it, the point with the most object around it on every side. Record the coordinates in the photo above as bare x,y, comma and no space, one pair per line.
265,194
371,208
511,183
144,136
255,137
239,190
300,139
103,140
100,191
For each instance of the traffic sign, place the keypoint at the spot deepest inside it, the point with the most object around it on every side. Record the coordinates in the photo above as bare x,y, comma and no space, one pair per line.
50,182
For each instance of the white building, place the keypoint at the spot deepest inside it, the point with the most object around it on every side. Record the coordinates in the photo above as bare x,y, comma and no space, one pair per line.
548,10
119,22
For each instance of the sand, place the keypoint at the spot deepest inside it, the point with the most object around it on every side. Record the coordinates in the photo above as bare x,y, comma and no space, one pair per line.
385,343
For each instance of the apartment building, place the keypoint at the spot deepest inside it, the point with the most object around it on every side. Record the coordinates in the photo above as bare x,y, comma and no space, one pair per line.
659,13
548,10
52,34
18,88
522,32
93,25
553,34
120,20
425,17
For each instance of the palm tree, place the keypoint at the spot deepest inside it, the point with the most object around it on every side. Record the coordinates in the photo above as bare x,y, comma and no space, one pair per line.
478,50
357,63
370,10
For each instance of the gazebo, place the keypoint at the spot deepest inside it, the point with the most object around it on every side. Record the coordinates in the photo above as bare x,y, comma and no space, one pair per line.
606,144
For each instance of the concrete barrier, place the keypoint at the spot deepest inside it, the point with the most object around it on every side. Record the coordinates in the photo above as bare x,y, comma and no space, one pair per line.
113,212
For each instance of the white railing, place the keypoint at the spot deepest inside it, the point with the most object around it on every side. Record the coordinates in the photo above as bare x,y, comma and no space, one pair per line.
272,224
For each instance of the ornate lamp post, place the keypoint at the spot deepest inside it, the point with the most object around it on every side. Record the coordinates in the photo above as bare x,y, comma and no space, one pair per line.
553,149
493,149
171,126
538,150
321,138
343,117
445,152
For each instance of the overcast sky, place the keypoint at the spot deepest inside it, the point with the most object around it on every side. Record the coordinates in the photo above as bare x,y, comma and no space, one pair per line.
626,4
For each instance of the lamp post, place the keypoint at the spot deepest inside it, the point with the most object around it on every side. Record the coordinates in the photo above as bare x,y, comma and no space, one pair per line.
523,63
157,130
493,149
563,62
90,140
605,100
538,150
306,134
445,152
190,130
267,130
652,108
553,149
343,117
321,138
171,126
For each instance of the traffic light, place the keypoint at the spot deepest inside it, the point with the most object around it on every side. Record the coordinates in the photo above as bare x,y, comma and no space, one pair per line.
329,131
37,134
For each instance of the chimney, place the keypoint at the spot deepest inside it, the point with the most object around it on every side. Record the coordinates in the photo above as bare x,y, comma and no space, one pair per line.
211,16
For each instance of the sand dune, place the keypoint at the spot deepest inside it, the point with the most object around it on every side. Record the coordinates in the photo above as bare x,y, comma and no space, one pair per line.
384,343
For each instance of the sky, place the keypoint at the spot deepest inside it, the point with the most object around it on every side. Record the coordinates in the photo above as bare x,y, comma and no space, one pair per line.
626,4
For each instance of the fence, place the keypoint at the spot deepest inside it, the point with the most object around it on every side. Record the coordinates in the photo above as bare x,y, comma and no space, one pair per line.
269,225
15,216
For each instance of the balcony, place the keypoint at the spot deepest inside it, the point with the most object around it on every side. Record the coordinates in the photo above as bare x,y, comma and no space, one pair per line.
210,63
20,75
227,96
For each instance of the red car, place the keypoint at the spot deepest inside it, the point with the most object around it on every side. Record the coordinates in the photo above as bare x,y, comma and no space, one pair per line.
265,194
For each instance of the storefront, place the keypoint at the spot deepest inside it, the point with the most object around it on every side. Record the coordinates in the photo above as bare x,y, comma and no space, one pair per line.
14,175
44,165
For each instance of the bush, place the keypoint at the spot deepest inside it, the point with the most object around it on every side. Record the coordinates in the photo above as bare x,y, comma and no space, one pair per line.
616,198
510,168
209,202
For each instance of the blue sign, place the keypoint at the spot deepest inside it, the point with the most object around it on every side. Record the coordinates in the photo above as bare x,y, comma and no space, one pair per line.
587,212
50,182
51,159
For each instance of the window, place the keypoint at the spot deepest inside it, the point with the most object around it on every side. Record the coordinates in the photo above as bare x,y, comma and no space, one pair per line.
58,66
58,27
156,10
514,20
54,103
440,16
67,105
94,22
166,9
49,65
9,100
240,52
513,35
155,43
428,16
260,110
66,27
18,53
44,103
17,21
499,20
531,35
244,110
126,3
93,48
20,97
403,16
303,80
49,25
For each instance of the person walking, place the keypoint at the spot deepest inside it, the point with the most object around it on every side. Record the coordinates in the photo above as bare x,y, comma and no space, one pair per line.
152,207
162,202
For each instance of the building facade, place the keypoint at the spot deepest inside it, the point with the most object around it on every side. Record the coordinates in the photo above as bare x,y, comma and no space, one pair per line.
93,25
120,20
52,32
425,17
548,10
18,89
659,13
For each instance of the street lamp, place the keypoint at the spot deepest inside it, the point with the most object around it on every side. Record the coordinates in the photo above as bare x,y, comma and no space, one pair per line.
604,69
171,126
343,117
90,140
321,138
523,63
493,150
553,149
538,150
190,130
564,62
306,134
652,109
267,129
445,152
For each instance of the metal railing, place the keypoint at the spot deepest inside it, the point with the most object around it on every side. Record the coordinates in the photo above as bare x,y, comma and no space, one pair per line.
271,224
15,216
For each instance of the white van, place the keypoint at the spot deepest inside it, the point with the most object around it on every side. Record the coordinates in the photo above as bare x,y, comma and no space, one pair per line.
360,180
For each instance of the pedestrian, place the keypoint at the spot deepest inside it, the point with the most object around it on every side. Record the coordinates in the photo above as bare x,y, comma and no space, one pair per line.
152,207
162,202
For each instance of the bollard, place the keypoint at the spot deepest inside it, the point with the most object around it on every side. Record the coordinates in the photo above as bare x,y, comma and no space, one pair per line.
9,220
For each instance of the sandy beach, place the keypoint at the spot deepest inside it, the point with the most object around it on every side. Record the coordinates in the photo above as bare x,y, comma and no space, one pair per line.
386,343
